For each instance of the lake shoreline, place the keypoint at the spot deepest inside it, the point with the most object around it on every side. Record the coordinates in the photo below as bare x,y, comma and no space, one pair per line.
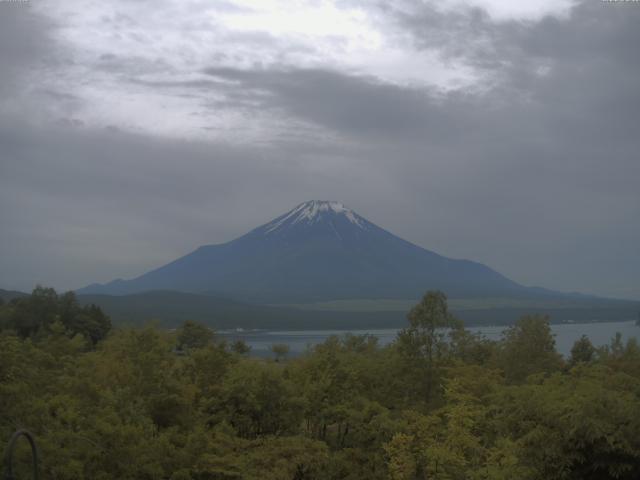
260,341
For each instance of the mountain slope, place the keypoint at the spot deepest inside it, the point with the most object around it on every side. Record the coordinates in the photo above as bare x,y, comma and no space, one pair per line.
320,251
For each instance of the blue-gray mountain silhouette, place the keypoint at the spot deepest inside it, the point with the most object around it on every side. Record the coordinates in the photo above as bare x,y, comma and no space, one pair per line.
320,251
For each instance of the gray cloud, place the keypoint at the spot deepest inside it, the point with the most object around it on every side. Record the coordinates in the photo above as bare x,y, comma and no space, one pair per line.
349,105
535,174
24,41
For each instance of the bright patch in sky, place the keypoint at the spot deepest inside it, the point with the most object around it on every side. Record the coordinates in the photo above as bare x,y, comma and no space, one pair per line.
142,65
315,19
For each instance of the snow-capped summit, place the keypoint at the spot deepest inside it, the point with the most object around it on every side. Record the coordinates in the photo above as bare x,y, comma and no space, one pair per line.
319,250
312,212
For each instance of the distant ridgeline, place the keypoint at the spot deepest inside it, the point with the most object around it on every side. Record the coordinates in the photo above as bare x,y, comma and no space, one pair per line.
170,308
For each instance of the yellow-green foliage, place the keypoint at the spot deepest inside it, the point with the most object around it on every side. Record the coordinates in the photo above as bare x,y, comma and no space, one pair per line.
149,404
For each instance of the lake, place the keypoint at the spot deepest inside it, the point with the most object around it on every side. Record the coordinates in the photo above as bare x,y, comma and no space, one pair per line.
565,334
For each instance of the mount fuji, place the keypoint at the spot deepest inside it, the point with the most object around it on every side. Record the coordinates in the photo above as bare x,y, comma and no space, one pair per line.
320,251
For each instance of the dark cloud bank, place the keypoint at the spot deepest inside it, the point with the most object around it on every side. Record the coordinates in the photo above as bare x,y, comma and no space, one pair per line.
538,175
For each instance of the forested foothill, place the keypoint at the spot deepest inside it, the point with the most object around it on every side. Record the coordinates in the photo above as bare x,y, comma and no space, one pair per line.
438,403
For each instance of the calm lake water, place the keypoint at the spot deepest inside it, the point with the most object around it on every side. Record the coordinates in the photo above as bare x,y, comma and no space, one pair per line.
298,341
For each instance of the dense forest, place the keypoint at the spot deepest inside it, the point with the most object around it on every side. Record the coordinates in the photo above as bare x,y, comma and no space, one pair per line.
438,403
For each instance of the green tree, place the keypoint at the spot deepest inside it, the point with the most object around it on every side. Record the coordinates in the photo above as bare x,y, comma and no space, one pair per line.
429,322
446,444
582,351
256,400
280,350
205,369
472,348
621,357
193,335
401,457
529,347
35,312
240,347
91,322
574,426
424,343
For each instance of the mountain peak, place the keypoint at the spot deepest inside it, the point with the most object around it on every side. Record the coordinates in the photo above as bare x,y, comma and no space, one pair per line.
313,211
320,250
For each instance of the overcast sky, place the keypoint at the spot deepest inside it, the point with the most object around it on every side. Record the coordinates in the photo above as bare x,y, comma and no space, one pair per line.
132,132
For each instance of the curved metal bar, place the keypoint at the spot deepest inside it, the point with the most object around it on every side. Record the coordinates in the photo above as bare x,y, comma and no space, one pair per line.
8,454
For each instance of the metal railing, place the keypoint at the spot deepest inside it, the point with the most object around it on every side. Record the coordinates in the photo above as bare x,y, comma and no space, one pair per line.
8,455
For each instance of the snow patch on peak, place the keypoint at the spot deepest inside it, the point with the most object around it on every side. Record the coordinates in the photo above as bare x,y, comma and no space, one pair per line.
312,211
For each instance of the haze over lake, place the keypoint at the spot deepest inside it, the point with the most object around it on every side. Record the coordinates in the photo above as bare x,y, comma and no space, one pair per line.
599,333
